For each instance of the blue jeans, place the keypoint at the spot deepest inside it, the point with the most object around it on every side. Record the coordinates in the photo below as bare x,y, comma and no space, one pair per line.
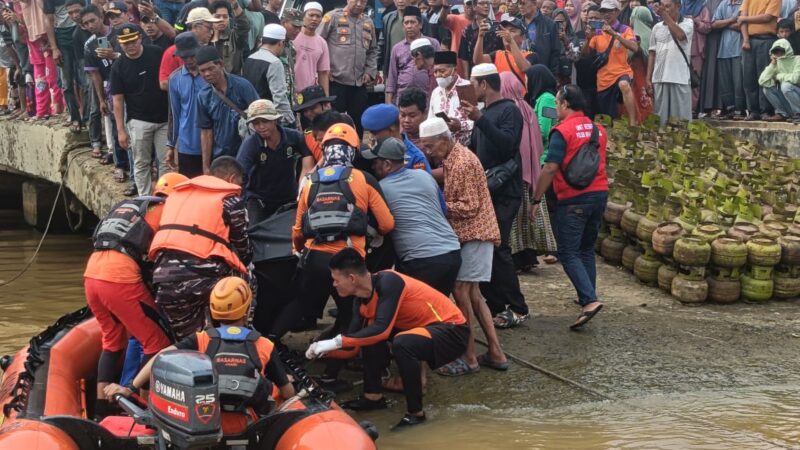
576,227
169,10
784,98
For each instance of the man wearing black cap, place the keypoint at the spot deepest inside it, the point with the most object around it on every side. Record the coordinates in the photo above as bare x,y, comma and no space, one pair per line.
401,69
444,99
220,106
426,246
139,98
510,58
311,102
185,85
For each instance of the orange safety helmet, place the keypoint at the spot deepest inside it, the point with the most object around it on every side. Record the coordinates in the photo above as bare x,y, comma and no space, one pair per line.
344,132
167,183
230,299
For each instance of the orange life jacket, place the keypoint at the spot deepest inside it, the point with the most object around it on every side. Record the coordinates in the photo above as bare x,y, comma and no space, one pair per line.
192,221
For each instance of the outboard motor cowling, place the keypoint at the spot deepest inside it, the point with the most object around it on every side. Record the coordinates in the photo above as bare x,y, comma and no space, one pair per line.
184,399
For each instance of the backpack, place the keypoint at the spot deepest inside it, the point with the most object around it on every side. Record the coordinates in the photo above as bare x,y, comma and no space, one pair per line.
125,230
233,351
582,168
332,213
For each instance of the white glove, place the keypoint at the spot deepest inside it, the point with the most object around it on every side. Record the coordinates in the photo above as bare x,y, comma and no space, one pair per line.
317,349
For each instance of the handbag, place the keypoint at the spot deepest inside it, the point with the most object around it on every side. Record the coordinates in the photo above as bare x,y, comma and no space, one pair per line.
602,58
694,78
242,126
499,175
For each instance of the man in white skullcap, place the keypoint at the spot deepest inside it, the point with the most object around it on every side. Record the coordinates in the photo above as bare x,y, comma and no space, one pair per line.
312,64
422,56
495,140
401,69
265,71
474,222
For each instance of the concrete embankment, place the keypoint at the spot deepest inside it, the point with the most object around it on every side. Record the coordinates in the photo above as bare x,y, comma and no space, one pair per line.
46,151
782,136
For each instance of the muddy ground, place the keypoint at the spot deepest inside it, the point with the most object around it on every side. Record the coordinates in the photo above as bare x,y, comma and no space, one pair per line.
643,343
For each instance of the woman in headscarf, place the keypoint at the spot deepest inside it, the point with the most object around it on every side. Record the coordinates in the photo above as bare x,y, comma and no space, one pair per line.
542,97
642,23
570,50
527,237
697,11
574,12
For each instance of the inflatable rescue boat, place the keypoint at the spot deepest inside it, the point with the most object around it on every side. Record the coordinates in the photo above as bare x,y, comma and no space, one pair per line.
48,389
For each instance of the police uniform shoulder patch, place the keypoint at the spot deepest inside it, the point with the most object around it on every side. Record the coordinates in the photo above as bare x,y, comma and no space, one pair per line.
263,156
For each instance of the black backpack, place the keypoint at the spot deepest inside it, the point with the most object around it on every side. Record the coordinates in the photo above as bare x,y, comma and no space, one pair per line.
125,230
582,168
332,212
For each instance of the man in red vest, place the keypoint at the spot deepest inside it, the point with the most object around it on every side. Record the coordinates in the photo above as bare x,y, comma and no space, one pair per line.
202,238
578,211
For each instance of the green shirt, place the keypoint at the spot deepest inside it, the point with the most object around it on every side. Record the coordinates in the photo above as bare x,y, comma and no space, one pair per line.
546,100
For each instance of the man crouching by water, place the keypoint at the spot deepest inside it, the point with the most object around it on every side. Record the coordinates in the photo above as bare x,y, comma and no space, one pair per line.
421,323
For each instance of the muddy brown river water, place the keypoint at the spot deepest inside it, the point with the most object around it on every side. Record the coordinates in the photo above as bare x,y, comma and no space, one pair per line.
689,401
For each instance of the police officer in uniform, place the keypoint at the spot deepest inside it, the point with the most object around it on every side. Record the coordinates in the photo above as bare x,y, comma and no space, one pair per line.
354,57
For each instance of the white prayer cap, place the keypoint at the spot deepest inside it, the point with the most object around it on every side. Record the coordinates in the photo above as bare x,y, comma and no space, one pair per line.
421,42
312,5
481,70
433,127
274,31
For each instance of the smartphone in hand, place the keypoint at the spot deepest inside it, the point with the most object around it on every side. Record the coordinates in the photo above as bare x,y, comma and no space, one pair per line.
102,42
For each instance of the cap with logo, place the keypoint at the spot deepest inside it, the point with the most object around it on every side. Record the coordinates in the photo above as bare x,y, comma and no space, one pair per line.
201,15
262,109
507,20
116,8
274,31
309,97
432,127
129,32
391,148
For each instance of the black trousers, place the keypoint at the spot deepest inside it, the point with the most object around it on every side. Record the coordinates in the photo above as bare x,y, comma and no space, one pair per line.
314,286
275,291
438,272
190,165
503,290
436,344
352,100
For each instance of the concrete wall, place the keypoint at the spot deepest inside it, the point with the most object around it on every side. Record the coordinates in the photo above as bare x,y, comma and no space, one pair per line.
44,149
782,137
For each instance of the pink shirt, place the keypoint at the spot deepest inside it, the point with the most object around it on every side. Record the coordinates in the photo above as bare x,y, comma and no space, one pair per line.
311,56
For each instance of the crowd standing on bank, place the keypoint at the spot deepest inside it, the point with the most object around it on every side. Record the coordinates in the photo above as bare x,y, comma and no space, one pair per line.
428,145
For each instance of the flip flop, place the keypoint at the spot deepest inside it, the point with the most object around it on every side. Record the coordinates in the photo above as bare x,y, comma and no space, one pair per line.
585,317
457,368
484,360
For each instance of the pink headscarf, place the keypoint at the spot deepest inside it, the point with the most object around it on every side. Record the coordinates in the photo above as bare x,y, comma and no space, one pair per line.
530,148
576,19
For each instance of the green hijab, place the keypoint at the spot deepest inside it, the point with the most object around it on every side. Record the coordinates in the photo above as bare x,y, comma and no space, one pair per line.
642,23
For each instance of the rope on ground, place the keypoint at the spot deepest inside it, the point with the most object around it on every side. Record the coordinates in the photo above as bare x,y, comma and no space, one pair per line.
70,158
604,396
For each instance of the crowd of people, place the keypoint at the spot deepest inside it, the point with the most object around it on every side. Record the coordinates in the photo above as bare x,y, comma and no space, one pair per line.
220,114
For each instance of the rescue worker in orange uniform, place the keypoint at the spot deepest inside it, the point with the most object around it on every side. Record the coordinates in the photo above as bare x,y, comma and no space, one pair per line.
114,281
249,359
331,215
202,238
421,323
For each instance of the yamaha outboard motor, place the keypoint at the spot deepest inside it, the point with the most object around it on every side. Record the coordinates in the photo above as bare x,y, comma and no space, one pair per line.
184,399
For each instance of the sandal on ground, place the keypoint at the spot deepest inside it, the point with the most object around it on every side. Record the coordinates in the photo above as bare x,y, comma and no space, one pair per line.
485,361
75,127
119,175
550,259
585,317
457,368
508,319
97,153
106,159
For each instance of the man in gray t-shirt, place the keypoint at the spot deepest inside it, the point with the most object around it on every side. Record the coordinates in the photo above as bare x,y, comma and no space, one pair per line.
427,248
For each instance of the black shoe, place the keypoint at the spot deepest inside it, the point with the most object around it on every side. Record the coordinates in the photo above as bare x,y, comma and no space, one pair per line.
334,385
365,404
409,420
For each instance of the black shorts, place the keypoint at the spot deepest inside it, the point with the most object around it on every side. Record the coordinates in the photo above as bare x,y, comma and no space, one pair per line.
608,99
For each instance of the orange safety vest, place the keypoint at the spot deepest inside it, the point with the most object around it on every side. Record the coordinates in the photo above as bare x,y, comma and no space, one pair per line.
192,221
